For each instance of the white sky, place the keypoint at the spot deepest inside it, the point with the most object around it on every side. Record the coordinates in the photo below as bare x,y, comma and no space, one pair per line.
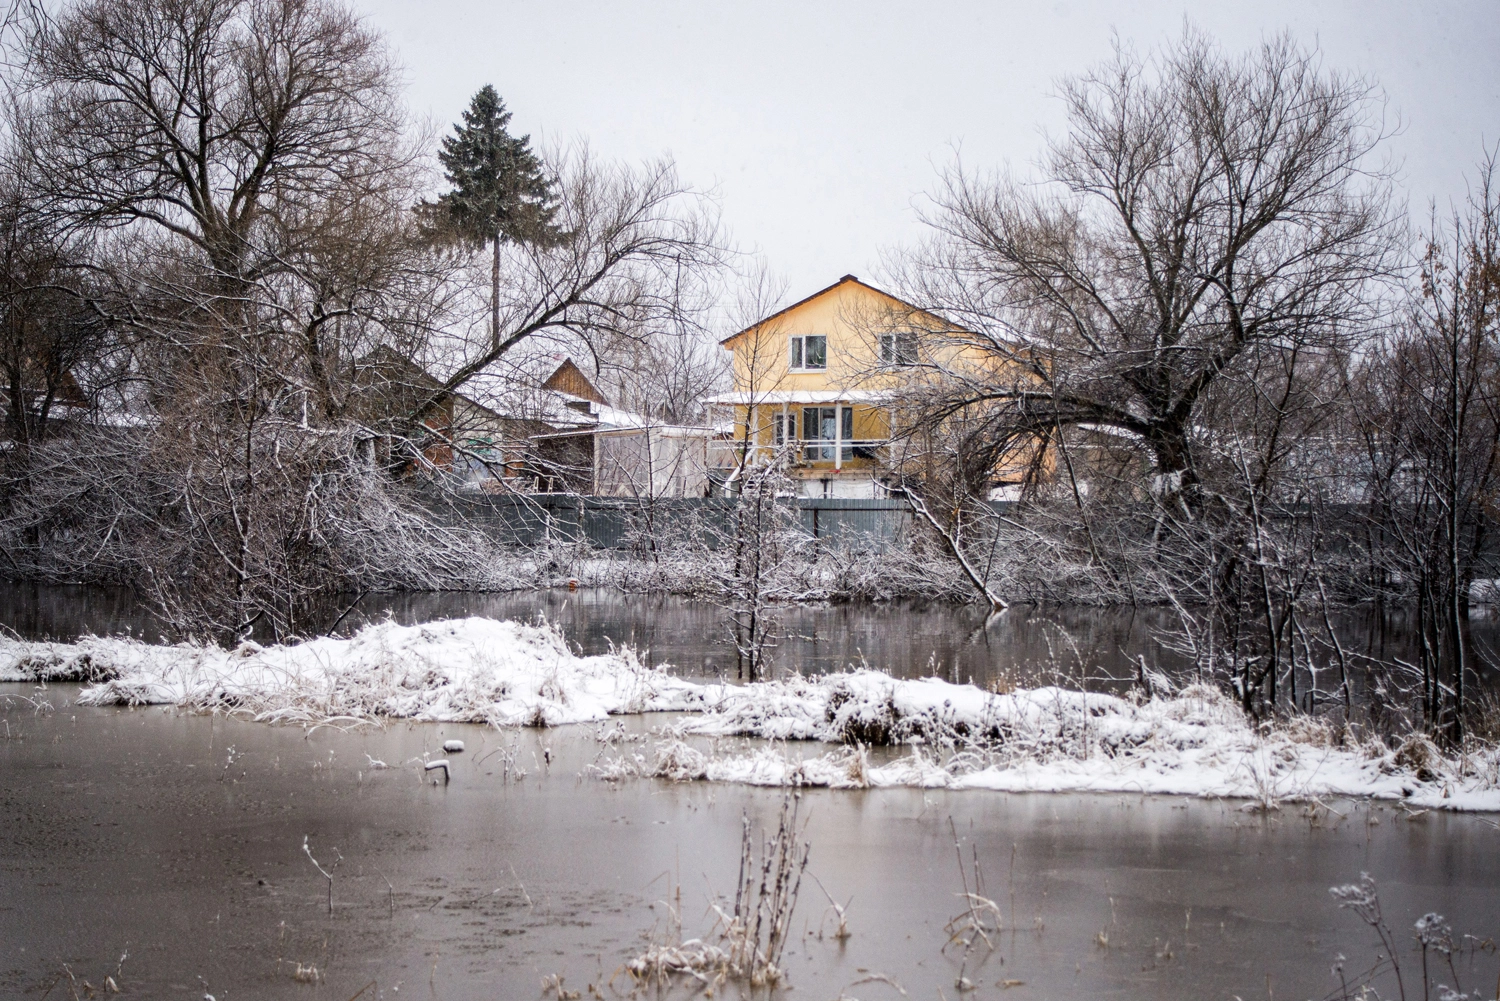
820,124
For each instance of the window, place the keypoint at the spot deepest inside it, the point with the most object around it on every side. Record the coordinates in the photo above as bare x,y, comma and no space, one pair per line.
824,429
819,424
809,351
899,348
783,428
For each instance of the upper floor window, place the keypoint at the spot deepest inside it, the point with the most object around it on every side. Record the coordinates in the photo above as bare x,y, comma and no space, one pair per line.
899,348
809,351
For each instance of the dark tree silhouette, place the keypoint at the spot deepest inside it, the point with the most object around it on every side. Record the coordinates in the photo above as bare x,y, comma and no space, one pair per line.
501,191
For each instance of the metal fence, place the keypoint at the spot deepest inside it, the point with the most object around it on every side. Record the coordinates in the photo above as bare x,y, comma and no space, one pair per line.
620,523
627,523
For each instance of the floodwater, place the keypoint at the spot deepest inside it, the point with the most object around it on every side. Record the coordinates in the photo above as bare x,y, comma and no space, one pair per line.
166,850
960,643
909,639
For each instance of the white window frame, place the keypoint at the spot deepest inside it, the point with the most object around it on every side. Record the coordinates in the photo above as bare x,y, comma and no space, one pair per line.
838,448
891,355
783,427
797,353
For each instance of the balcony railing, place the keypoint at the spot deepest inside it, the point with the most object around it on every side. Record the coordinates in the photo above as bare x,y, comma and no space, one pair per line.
799,452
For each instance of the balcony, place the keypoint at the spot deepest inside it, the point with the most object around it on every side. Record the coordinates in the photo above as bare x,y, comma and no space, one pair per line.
819,453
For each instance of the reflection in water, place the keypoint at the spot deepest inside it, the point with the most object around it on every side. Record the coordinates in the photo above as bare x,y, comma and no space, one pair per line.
65,611
908,639
1023,646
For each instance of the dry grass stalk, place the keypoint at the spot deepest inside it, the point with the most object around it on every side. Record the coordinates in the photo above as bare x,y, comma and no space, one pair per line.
747,941
981,916
307,850
840,913
553,985
1434,939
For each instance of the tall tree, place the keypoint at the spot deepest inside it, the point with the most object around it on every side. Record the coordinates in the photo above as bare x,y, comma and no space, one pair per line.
1200,210
48,334
1427,413
240,173
501,191
211,120
1169,302
243,168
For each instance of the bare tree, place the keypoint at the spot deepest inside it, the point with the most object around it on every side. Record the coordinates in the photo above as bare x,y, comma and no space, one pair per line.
637,255
217,121
759,536
762,435
1199,209
53,341
1427,413
762,538
1157,331
664,377
248,170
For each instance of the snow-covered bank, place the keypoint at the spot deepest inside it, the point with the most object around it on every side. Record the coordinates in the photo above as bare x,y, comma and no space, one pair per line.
1188,742
1194,742
466,670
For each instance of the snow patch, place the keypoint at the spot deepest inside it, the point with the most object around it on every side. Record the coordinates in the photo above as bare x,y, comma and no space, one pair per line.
1194,741
468,670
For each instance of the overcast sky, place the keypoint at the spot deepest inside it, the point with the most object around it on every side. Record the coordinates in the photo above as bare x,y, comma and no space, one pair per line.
821,124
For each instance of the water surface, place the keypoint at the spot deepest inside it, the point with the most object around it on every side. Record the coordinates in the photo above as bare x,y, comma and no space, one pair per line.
1100,648
178,839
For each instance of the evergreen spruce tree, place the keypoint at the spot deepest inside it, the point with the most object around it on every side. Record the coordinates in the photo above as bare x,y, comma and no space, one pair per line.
501,191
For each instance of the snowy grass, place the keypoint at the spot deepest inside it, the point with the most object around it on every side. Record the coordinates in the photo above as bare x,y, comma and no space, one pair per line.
468,670
1189,742
1192,742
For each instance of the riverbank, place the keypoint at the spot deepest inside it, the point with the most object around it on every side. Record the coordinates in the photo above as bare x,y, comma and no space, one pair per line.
1160,739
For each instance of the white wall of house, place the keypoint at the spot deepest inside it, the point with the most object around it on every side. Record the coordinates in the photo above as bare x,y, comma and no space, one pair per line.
852,487
652,462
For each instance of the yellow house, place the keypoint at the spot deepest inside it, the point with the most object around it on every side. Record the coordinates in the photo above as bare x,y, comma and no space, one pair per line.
814,384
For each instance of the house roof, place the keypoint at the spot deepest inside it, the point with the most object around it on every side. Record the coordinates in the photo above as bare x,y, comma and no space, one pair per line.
564,399
387,367
824,291
569,378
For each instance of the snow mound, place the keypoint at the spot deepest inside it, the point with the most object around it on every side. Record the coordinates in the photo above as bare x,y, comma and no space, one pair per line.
466,670
1189,742
1192,742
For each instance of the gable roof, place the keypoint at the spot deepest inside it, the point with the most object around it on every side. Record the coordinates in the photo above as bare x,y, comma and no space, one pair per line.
569,378
847,279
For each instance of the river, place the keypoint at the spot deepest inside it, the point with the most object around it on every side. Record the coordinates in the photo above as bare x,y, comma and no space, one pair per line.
176,841
959,643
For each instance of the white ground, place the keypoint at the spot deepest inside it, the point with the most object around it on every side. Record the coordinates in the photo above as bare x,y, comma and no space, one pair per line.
1188,742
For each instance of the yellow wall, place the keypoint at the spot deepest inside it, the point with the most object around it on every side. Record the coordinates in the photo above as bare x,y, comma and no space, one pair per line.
851,316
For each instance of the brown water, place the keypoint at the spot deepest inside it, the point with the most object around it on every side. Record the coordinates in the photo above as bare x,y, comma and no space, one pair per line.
176,840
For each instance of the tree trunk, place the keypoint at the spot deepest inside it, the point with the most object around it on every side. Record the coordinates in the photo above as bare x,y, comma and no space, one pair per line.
495,293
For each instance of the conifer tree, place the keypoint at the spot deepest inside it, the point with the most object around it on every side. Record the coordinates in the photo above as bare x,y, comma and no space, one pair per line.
501,190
